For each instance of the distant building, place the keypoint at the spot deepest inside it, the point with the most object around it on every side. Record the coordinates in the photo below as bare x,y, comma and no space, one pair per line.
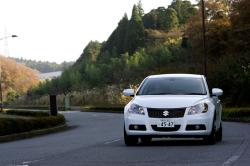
50,75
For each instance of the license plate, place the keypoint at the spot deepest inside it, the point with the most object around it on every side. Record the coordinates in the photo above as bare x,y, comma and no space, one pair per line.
165,123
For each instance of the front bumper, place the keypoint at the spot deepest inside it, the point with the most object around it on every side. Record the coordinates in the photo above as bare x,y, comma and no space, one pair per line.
181,125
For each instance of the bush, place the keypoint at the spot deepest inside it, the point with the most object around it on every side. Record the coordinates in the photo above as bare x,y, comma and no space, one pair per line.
236,114
27,113
14,125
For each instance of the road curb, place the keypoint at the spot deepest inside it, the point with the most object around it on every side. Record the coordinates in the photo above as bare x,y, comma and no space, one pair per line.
34,133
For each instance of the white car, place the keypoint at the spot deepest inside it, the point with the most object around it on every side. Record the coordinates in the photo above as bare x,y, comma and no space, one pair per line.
173,105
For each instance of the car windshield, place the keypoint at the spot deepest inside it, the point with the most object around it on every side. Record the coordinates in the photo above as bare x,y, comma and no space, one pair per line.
173,86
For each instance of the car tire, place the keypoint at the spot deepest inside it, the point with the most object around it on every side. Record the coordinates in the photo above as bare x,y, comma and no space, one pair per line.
130,140
219,133
146,140
212,137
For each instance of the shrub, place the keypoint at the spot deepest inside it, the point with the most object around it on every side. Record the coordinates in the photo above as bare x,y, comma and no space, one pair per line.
16,125
236,114
27,113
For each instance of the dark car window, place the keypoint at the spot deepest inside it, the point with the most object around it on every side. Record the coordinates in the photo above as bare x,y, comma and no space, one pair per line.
173,85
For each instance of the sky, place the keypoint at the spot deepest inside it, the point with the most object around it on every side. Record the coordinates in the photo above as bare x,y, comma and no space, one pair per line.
58,30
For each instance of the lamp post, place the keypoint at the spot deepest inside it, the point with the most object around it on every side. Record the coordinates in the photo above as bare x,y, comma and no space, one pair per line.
204,38
1,90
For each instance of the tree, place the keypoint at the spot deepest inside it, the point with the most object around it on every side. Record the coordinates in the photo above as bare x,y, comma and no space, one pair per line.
172,18
16,77
184,10
135,36
150,19
11,95
140,9
161,19
90,52
117,37
240,16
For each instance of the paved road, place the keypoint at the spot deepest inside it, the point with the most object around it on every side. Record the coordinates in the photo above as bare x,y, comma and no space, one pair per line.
95,139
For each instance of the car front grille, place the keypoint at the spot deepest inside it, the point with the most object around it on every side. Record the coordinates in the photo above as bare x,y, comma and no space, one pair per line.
166,113
165,129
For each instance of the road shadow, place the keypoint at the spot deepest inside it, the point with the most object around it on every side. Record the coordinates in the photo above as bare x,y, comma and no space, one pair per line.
173,142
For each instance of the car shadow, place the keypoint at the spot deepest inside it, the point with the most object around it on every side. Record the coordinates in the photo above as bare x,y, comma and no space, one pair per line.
173,142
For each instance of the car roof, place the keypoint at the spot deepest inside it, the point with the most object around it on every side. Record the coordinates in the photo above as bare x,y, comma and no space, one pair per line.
176,75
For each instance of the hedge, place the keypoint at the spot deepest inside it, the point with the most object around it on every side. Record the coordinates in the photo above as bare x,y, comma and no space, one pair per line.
12,126
27,113
236,114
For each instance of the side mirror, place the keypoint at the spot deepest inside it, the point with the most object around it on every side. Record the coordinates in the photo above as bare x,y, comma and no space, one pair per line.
217,92
129,92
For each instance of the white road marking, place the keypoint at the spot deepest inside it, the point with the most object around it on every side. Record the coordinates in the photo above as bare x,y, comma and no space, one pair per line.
110,142
29,162
26,163
231,160
237,154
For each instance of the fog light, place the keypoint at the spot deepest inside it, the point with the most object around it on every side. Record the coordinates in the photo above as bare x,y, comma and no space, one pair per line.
136,127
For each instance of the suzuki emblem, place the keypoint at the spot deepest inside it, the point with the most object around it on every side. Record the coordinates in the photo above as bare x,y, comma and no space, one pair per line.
165,113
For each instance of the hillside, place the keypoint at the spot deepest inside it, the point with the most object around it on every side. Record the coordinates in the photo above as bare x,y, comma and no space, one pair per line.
43,67
167,40
16,78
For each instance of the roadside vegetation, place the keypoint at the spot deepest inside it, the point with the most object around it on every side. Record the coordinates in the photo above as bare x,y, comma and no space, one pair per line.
19,121
16,79
236,114
43,67
165,40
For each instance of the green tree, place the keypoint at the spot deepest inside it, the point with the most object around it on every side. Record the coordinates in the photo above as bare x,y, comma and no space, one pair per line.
11,95
92,75
90,52
117,38
135,36
150,19
172,18
240,36
184,10
140,9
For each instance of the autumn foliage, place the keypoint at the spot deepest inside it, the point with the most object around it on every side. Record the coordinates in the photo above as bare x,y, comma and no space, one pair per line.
16,78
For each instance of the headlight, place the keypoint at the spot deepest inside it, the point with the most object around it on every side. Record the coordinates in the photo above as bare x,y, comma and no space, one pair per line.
136,109
199,108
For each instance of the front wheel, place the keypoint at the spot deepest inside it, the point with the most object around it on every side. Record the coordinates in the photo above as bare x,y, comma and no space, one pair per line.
211,139
219,133
130,140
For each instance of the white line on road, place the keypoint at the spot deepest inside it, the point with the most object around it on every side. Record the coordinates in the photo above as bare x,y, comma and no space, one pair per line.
237,154
110,142
29,162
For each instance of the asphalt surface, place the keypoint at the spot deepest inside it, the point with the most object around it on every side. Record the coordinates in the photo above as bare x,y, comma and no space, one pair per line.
96,139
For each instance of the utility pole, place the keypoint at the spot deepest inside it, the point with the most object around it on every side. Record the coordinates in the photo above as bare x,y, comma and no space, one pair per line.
204,38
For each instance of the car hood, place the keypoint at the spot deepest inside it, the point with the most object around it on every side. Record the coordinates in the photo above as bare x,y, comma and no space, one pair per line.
168,101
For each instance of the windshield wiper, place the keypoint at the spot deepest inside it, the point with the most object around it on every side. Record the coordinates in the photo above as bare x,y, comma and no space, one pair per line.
161,94
194,94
